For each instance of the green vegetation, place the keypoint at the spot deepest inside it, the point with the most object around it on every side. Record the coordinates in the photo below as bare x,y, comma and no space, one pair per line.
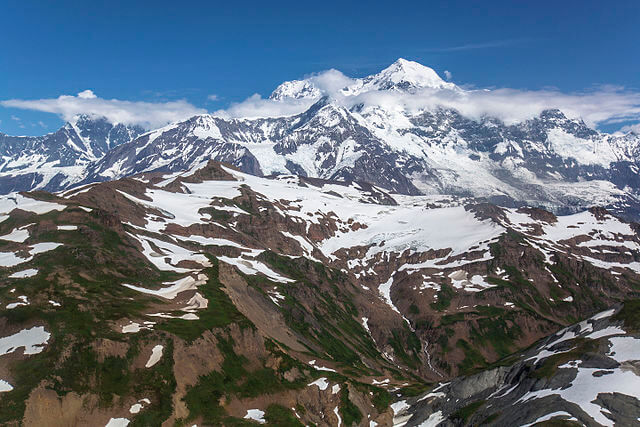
348,411
550,365
630,314
445,295
278,415
234,379
472,358
406,346
330,322
220,311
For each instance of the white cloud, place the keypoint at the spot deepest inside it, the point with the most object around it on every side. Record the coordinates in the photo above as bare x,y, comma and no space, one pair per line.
87,94
603,105
631,128
448,74
213,97
146,114
255,106
16,118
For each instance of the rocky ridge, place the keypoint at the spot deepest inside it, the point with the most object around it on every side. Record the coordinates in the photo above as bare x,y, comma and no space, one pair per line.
332,298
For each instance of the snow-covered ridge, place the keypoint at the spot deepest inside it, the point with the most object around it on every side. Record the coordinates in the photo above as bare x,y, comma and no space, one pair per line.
371,129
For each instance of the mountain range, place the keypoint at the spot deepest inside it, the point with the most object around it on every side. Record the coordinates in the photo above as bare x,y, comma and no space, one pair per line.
369,130
361,263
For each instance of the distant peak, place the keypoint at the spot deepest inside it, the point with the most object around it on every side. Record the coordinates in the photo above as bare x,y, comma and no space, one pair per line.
412,72
402,75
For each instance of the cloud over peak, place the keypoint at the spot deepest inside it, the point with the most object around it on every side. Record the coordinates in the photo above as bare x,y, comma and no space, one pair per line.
146,114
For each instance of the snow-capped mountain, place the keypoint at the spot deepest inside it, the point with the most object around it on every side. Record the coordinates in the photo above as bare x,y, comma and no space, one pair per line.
551,160
380,130
57,159
402,75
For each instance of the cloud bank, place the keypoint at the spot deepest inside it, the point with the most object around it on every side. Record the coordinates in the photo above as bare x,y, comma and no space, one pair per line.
600,106
147,114
604,105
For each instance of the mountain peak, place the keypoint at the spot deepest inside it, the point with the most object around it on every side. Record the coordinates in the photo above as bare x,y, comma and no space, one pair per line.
402,75
404,72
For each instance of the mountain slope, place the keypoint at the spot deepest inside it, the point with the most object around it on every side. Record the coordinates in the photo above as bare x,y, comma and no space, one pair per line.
211,295
58,159
371,131
586,374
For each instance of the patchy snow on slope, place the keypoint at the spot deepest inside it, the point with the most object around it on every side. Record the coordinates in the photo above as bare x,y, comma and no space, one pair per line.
321,383
5,386
255,415
17,235
117,422
320,368
33,340
174,253
181,285
39,248
10,259
214,241
23,302
156,354
558,414
253,267
336,412
135,327
13,201
67,227
396,229
434,420
30,272
460,280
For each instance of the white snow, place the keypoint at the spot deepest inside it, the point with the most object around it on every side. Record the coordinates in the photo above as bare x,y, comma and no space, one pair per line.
563,414
624,348
134,327
67,227
117,422
181,285
10,259
335,411
477,283
23,301
39,248
169,251
434,420
17,235
5,386
585,388
33,340
253,267
400,415
156,354
256,415
30,272
18,201
321,383
320,368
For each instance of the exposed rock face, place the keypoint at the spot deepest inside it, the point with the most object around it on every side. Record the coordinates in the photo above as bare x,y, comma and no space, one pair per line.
586,373
56,160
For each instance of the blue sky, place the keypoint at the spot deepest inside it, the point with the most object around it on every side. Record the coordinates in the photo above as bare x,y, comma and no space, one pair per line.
167,51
